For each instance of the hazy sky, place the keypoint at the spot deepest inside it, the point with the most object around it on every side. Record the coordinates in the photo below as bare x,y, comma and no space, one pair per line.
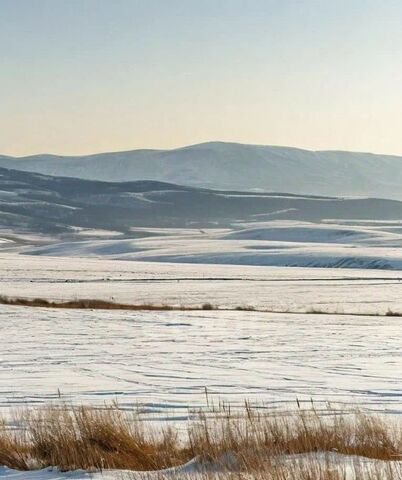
81,76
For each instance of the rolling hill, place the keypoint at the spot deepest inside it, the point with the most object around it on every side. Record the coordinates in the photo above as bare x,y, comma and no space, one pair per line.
59,205
231,166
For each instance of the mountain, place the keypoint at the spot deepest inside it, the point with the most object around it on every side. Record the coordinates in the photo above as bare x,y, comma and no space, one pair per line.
231,166
31,202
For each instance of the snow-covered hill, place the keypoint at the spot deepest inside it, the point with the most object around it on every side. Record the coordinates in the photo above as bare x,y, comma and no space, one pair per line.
39,204
154,221
234,166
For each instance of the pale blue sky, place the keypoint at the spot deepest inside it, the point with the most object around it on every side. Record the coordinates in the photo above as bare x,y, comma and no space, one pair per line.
81,76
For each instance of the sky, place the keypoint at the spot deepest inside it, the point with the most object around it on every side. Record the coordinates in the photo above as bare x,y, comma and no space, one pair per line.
86,76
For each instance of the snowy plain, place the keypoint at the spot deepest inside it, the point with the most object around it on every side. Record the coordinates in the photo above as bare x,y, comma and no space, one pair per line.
161,362
333,290
166,359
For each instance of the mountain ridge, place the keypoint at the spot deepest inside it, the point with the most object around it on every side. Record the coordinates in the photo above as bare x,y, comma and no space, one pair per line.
200,144
233,166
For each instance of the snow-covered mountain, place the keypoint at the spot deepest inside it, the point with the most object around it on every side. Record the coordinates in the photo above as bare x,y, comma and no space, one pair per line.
235,167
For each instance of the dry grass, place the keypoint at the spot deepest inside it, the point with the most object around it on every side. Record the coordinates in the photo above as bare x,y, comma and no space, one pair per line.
82,437
92,304
245,308
314,470
255,436
15,449
95,304
319,311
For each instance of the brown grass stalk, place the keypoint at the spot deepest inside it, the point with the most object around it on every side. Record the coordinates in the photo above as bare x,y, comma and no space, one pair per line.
246,441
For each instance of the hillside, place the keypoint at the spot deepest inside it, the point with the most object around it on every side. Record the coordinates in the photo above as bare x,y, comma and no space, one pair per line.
230,166
36,203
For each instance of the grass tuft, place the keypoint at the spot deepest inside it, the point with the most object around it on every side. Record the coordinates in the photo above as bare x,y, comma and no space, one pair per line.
88,438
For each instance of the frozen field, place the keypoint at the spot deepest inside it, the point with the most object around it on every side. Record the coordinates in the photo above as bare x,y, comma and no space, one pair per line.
164,360
274,288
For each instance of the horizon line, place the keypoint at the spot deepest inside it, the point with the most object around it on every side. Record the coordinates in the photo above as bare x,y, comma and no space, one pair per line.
111,152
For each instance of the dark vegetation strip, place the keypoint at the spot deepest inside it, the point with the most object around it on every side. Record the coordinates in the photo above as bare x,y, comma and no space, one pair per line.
94,304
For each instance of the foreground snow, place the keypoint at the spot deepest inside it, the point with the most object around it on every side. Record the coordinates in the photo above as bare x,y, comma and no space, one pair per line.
164,360
192,468
350,467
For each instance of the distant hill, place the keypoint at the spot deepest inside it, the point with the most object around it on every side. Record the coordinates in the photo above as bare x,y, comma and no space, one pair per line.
234,166
33,202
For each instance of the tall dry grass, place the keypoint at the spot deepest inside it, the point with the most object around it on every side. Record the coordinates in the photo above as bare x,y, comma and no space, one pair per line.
246,441
86,438
254,436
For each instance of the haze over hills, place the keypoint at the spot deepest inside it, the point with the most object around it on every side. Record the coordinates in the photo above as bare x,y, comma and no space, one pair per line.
232,166
47,204
157,221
